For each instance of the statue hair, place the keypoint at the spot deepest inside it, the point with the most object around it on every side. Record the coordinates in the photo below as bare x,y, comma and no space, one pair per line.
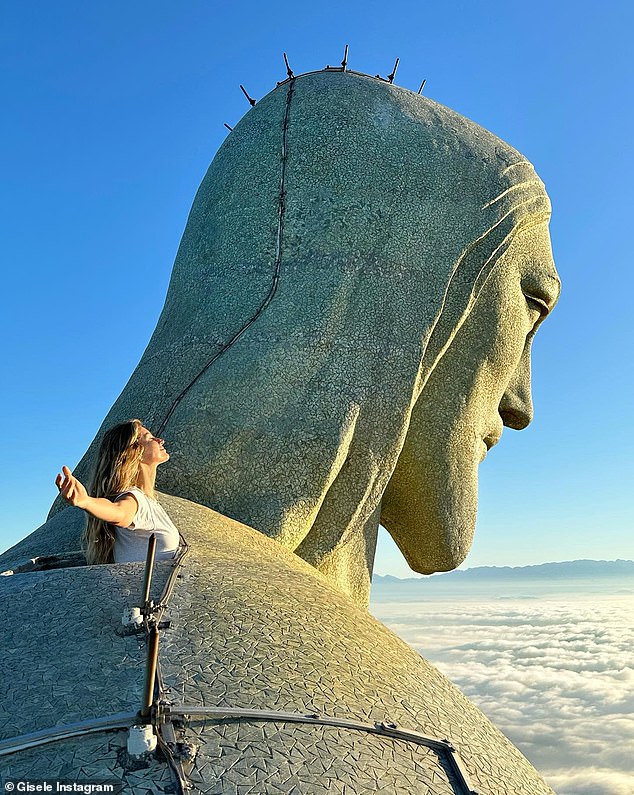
117,469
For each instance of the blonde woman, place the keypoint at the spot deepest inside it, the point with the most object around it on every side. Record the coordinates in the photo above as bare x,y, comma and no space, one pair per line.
123,511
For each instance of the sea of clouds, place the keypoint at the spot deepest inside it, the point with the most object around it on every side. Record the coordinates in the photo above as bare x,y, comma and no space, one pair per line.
554,671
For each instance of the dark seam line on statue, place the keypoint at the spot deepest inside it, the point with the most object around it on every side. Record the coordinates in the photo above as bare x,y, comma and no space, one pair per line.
276,268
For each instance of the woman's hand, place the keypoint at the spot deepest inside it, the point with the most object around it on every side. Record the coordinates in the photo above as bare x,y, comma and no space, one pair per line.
71,489
121,512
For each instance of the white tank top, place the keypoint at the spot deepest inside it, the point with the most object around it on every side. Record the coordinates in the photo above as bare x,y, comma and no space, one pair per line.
131,542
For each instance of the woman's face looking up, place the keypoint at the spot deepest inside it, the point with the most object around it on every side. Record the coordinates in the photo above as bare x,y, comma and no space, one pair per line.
154,451
481,383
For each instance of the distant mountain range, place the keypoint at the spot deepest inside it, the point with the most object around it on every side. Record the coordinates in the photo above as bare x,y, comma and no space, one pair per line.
572,569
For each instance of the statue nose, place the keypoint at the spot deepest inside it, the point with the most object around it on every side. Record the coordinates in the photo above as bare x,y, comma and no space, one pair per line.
516,411
516,406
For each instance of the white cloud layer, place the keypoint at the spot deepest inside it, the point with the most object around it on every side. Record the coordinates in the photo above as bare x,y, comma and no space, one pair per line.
555,674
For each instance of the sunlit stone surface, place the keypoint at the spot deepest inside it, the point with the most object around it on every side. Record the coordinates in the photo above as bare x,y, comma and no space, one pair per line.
347,327
345,234
252,626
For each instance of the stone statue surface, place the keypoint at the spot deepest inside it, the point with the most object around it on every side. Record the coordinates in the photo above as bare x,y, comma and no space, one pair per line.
346,331
348,324
252,627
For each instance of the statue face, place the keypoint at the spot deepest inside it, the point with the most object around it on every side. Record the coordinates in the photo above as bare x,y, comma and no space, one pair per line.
481,383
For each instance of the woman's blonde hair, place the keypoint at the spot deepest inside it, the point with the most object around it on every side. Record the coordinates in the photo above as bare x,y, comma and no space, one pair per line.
117,469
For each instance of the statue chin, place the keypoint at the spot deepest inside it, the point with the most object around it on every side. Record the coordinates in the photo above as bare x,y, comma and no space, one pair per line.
430,504
430,547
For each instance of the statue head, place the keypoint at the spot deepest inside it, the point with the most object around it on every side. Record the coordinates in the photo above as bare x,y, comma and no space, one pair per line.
348,323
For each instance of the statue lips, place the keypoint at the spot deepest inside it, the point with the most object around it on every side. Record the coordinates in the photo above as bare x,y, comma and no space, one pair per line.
490,440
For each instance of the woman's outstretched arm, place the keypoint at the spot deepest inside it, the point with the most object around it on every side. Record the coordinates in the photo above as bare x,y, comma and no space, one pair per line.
120,513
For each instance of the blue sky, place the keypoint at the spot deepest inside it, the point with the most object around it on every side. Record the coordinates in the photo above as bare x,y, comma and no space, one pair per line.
113,112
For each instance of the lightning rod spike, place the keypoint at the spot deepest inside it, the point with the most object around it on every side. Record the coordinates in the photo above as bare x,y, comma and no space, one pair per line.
390,78
344,63
244,91
289,71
